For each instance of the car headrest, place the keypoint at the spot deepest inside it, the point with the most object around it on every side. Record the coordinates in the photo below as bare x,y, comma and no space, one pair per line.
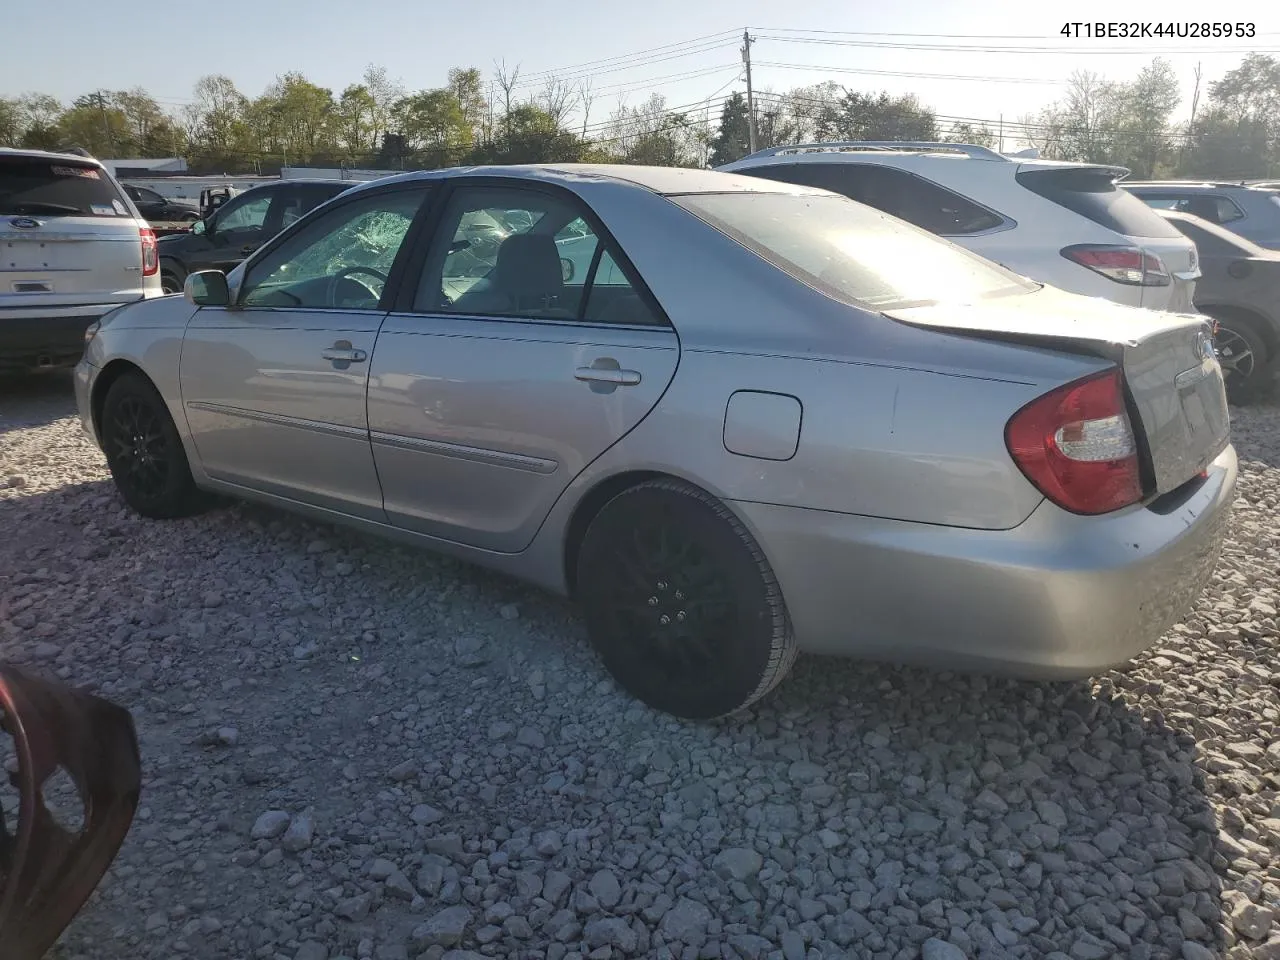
529,265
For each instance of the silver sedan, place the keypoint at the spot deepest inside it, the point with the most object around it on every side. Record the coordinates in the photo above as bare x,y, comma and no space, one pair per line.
733,418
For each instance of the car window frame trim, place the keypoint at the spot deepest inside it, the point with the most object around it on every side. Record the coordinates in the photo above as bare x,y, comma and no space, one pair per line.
426,187
403,305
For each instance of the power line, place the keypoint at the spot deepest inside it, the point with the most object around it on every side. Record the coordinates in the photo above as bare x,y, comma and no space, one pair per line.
897,73
1024,50
629,61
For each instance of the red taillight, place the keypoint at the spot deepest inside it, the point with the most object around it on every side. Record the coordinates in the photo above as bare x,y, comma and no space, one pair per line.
150,254
1077,446
1121,264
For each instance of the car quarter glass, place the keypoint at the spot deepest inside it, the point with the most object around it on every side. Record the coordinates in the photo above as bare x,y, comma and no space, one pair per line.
529,352
274,388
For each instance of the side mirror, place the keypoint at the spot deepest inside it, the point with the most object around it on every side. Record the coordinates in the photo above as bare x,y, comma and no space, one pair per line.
200,227
207,288
566,269
80,753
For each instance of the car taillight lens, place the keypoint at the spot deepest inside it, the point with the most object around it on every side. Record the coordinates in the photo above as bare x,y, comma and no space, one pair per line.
150,254
1121,264
1077,446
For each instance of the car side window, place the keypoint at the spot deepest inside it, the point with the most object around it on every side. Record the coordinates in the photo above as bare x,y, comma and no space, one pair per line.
896,192
249,214
1213,209
512,252
340,261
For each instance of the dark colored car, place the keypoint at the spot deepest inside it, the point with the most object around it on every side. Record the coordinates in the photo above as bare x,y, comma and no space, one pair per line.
241,225
1249,210
1239,288
158,209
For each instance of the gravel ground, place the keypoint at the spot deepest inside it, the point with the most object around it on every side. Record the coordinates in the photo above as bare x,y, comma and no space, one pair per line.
357,750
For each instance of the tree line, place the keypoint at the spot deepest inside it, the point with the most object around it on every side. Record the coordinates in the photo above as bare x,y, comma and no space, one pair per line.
376,123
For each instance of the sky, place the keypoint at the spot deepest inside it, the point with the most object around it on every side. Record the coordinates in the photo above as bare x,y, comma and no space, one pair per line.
1006,57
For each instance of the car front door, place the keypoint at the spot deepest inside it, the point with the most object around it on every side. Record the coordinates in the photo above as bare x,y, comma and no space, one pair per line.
236,230
524,353
274,386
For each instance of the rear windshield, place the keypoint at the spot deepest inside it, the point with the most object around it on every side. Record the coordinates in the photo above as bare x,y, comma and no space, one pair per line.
1094,194
852,252
57,188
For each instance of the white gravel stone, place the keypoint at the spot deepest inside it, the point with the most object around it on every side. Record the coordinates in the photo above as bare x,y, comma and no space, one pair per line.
484,790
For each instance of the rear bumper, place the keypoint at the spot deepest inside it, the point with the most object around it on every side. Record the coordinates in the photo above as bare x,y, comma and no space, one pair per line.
30,339
1058,597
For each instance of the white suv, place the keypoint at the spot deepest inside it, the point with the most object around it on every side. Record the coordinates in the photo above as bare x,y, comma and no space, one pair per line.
72,247
1065,224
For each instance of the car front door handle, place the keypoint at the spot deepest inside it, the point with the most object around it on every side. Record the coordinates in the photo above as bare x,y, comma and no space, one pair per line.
621,378
343,353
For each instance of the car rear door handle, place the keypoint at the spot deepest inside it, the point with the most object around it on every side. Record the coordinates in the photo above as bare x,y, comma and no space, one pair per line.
621,378
343,352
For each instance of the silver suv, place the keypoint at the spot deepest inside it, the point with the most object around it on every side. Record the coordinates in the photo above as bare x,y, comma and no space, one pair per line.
72,247
1251,210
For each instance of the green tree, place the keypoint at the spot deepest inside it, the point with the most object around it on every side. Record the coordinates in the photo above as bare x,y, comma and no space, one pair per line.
94,123
216,124
11,125
1236,134
981,135
528,134
291,119
434,125
652,134
39,115
1140,115
732,138
865,116
354,120
467,86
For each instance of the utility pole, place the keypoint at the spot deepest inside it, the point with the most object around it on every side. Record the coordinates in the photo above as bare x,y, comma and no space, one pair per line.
752,135
1191,122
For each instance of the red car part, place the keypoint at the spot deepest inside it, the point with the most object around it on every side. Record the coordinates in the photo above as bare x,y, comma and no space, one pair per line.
46,871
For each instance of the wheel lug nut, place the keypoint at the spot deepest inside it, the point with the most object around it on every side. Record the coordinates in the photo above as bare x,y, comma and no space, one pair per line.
653,601
664,620
662,584
679,594
680,616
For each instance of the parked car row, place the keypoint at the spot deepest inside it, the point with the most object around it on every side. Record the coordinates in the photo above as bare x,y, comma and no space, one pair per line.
1077,226
733,417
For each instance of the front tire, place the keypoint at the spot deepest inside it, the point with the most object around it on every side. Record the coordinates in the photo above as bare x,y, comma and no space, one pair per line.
680,602
144,452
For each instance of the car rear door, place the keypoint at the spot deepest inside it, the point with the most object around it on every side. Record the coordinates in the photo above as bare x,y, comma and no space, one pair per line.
68,237
521,358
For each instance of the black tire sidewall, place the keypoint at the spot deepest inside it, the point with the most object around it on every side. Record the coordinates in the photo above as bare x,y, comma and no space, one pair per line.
1245,391
179,496
760,618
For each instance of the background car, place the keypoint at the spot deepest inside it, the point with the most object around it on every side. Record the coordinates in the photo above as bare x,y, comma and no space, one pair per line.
1250,210
241,225
764,418
72,247
1240,289
158,209
1067,224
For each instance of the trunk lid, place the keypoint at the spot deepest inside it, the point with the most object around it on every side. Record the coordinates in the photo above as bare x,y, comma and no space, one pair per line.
1178,401
67,235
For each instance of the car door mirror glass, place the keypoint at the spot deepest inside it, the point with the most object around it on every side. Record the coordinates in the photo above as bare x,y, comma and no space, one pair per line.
207,288
200,227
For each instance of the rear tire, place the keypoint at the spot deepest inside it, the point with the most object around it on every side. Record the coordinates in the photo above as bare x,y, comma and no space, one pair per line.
172,277
1246,362
681,604
144,452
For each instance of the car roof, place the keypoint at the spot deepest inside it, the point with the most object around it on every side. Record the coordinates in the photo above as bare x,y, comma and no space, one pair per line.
667,181
49,155
918,153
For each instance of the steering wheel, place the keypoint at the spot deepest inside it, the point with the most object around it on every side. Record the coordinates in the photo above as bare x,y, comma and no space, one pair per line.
331,294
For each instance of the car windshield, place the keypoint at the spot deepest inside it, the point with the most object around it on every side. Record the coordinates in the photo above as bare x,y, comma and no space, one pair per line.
56,187
852,252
